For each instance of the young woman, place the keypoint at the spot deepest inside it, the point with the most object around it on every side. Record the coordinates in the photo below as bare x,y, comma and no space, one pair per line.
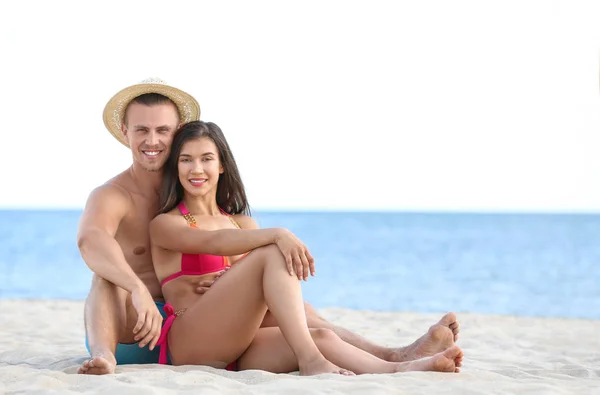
203,227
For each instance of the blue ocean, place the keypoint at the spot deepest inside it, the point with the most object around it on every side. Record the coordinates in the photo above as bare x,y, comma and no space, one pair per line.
515,264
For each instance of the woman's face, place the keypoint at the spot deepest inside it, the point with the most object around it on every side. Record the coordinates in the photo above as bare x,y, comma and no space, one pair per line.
199,166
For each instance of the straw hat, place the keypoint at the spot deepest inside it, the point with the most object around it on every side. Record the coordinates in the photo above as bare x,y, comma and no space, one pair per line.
189,109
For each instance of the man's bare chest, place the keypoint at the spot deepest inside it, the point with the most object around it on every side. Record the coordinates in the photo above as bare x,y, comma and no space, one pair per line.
134,238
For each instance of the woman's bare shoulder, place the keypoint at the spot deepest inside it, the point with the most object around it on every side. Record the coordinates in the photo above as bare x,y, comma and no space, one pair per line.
245,221
167,219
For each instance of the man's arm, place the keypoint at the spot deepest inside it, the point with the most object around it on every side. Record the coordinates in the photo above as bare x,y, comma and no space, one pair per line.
105,209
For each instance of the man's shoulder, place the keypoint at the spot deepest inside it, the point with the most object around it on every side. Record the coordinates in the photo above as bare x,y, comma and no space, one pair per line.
116,191
111,191
107,206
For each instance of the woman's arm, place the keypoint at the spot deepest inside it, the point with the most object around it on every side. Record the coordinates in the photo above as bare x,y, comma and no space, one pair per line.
302,263
172,233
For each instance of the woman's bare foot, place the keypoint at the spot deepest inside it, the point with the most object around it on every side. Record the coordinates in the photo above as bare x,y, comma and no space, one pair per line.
98,365
322,365
438,338
448,361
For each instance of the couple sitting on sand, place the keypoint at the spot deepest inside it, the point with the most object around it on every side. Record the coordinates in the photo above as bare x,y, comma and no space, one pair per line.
183,274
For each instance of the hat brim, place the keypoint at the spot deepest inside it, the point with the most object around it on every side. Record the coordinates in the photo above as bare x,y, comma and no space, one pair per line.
188,107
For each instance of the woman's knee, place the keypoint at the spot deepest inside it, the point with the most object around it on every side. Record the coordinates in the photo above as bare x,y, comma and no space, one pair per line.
268,252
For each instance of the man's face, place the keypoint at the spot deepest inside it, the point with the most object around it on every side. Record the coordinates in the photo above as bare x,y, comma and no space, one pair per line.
149,131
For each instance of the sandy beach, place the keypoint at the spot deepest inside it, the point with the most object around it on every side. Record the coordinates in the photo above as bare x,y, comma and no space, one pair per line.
42,346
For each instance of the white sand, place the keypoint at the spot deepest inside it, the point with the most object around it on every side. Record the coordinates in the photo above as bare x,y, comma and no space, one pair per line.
41,346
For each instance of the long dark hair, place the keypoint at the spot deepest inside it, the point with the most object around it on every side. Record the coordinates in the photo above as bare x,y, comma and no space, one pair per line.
231,195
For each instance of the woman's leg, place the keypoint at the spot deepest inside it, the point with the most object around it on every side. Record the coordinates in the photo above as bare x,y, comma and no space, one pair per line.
438,338
270,352
222,323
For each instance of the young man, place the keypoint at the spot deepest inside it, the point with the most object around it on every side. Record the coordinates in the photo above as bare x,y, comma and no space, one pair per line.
123,311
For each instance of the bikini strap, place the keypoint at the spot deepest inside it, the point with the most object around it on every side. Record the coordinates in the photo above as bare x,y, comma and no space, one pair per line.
192,221
233,221
187,215
223,212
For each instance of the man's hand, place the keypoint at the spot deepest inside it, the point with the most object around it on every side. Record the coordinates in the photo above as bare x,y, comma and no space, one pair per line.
203,286
149,323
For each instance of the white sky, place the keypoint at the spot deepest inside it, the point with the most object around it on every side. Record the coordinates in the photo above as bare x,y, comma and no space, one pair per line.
420,105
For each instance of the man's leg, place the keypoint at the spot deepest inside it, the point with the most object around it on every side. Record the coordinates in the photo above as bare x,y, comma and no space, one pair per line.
106,317
438,338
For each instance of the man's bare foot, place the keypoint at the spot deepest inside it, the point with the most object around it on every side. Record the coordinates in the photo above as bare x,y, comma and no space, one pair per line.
322,365
97,365
438,338
448,361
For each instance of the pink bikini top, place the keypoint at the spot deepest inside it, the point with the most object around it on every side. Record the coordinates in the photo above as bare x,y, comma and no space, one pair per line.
198,264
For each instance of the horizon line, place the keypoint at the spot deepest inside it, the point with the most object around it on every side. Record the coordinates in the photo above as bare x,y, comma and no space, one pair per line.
317,210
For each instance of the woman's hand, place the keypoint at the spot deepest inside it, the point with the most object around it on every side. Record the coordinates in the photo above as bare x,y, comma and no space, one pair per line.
297,257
